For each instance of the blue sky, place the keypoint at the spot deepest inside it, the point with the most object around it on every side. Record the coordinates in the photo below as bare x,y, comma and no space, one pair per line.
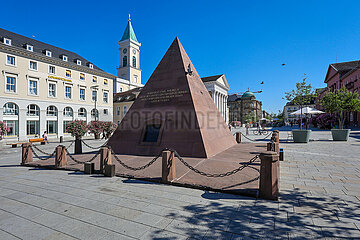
246,40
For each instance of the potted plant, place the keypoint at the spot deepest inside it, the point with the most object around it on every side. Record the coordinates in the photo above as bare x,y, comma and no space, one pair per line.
301,96
96,127
341,102
109,128
3,129
77,128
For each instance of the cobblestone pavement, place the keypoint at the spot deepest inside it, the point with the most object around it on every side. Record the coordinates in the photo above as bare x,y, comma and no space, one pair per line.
319,200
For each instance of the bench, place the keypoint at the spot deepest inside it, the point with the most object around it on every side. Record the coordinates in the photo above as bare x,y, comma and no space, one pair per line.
14,145
34,140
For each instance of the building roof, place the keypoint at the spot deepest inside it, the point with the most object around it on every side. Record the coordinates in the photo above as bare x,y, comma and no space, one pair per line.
345,67
248,94
127,96
129,33
211,78
20,41
233,97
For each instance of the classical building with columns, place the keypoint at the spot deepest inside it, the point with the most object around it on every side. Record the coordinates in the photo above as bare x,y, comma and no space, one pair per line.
218,88
44,87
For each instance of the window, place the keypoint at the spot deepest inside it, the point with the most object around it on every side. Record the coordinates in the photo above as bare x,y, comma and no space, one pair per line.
10,60
82,94
94,95
33,87
11,109
121,89
106,112
51,111
68,92
135,78
68,73
105,81
82,112
118,110
118,122
13,127
64,58
94,79
48,53
105,97
91,65
68,112
10,84
134,61
7,41
125,110
32,127
52,69
33,110
152,133
29,47
51,127
124,61
82,76
52,89
66,123
78,62
33,65
94,113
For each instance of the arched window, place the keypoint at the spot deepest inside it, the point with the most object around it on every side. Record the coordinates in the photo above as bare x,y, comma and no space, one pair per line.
82,112
68,112
11,109
94,113
51,111
134,61
33,110
124,61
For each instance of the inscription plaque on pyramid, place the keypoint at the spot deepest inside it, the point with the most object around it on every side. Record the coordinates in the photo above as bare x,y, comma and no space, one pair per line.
174,110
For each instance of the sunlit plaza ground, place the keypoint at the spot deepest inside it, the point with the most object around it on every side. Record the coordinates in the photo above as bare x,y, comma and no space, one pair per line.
319,187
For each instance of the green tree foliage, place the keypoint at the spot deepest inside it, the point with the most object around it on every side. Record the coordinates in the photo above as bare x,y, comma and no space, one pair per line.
339,102
250,118
302,95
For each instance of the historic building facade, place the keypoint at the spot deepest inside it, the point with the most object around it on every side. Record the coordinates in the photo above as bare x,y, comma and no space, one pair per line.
123,101
44,87
241,106
128,71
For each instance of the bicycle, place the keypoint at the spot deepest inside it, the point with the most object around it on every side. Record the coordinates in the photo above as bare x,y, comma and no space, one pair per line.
260,132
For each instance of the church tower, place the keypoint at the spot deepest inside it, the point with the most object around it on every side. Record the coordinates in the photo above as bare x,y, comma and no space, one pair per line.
129,64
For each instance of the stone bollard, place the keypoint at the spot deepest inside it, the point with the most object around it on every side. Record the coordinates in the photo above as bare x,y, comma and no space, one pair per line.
168,166
109,170
60,158
26,153
238,137
277,148
276,133
78,146
105,158
269,175
269,146
89,167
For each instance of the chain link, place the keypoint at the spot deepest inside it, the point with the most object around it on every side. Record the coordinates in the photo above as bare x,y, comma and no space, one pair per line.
256,139
38,149
72,142
89,146
80,162
215,175
41,158
135,168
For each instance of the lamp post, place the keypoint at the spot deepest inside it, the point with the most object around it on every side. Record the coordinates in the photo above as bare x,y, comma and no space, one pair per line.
96,88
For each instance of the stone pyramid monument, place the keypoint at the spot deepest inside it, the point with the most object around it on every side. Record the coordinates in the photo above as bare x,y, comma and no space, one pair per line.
174,110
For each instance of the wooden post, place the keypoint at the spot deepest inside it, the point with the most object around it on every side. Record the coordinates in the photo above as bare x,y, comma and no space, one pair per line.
105,158
238,137
60,159
168,166
269,175
26,153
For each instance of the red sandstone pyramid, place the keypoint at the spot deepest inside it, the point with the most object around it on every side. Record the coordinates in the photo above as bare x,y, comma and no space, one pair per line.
174,110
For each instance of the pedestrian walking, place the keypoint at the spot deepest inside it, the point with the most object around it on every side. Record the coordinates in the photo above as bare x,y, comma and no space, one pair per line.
247,128
45,137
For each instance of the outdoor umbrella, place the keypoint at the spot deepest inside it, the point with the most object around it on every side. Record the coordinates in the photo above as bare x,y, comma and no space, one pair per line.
306,110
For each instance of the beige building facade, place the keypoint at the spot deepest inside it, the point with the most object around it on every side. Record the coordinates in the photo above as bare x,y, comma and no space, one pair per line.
43,88
243,106
123,102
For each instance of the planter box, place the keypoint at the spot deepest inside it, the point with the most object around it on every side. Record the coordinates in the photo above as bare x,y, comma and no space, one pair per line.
301,136
340,134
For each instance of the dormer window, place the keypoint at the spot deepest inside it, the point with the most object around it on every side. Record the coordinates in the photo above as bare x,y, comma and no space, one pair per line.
78,62
29,47
64,58
48,53
7,41
91,65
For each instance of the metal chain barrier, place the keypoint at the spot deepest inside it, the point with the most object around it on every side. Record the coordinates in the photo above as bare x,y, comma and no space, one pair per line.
81,162
72,142
89,146
256,139
215,175
43,152
42,158
135,168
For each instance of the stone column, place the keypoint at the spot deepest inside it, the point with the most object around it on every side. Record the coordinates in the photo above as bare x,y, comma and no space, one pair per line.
60,122
269,175
168,166
26,154
22,124
60,157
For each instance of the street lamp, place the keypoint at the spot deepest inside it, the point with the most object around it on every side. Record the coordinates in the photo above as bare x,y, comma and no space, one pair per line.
96,88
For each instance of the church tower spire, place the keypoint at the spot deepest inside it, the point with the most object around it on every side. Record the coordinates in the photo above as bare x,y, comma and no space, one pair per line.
129,64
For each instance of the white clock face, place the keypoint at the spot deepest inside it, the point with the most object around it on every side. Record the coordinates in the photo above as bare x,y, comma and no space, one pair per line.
134,51
125,51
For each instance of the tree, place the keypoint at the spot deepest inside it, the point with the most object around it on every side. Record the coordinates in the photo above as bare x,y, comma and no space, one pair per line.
250,118
339,102
301,96
77,128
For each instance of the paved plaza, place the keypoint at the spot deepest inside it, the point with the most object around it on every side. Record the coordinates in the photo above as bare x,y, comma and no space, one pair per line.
319,186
